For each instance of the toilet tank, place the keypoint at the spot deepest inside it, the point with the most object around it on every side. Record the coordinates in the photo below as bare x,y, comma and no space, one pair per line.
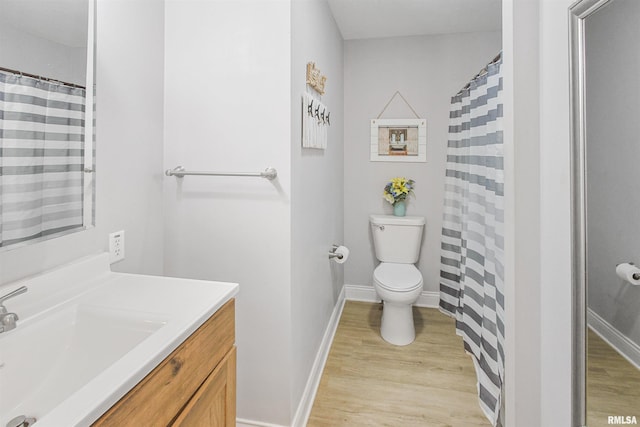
397,238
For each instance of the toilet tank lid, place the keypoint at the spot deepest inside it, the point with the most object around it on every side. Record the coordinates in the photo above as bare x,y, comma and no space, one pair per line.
396,220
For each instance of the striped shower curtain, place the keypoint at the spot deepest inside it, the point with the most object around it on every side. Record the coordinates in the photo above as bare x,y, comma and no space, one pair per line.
472,246
41,158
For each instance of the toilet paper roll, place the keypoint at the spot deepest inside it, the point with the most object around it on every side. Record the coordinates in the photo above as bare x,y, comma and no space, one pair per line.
344,251
626,272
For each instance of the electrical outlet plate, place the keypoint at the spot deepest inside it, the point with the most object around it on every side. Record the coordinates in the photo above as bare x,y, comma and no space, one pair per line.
116,246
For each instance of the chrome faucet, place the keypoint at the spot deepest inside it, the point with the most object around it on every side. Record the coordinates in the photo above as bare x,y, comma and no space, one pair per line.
8,320
21,421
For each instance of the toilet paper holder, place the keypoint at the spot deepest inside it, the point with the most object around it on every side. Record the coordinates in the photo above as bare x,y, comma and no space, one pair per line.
636,276
333,254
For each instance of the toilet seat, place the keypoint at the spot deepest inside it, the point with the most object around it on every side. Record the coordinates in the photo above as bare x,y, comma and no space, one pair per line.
397,277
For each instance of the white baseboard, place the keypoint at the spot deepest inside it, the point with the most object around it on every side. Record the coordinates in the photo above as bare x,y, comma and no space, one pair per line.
360,293
429,299
616,339
363,293
309,394
240,422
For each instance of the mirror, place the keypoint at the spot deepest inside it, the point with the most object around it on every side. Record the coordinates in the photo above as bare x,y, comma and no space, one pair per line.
606,154
47,119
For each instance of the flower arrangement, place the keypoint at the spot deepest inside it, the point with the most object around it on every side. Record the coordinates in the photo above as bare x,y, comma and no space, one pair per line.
398,189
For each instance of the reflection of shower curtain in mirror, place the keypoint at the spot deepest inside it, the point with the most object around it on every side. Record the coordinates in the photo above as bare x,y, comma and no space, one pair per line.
472,247
41,158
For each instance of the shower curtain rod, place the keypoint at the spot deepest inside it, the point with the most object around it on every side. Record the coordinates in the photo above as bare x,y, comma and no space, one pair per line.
46,79
482,72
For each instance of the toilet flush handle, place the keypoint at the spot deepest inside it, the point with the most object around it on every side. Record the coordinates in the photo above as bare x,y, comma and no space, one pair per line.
381,227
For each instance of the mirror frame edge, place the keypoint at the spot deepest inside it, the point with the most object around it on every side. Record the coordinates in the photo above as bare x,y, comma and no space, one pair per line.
578,12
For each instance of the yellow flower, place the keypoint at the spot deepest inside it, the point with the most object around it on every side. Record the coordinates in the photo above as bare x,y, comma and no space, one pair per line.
398,189
398,182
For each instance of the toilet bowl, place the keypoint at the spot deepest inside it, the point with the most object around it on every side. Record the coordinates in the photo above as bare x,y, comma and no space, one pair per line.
398,286
396,279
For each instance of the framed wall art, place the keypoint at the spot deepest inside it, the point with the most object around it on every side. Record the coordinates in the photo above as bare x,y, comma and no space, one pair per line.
398,140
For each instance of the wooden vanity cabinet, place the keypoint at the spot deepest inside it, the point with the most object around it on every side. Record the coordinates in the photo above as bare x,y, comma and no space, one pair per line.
211,406
194,386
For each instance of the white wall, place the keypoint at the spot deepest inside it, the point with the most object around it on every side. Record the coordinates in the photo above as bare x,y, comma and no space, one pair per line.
317,188
612,162
129,147
537,216
129,117
428,71
555,219
228,108
522,213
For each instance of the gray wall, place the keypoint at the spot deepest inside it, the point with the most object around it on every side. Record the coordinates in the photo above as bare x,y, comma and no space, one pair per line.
427,70
316,188
613,162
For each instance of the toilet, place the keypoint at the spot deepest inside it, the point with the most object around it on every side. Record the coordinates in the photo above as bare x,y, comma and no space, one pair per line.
396,279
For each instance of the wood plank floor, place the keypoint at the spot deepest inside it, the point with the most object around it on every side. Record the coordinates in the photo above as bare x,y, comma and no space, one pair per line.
613,384
368,382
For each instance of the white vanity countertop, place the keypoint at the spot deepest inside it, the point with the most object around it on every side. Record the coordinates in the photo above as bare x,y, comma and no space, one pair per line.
87,335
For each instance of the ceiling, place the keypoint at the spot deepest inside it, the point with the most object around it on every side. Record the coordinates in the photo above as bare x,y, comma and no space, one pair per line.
364,19
61,21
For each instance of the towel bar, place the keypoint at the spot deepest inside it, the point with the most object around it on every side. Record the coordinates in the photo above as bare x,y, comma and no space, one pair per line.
179,172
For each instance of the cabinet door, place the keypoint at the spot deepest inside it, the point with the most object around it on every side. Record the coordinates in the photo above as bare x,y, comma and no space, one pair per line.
214,404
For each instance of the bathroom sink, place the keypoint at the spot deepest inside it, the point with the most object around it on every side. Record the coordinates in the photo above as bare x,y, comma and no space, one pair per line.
55,356
77,349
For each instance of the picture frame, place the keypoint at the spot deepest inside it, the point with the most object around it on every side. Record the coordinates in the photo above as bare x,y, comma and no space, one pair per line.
398,140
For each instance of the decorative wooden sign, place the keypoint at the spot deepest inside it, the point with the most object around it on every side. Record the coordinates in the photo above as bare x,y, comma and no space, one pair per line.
398,140
315,79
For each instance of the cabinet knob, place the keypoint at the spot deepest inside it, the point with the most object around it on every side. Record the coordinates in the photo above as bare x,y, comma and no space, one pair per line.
176,365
